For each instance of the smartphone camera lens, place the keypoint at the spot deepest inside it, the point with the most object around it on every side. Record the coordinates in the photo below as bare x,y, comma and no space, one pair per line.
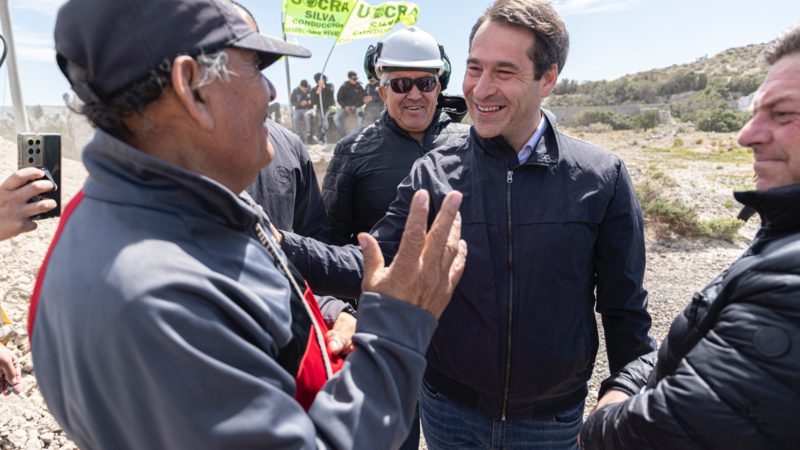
38,142
30,160
38,150
30,141
30,151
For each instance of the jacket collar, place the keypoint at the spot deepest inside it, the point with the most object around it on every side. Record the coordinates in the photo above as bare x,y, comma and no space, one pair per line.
122,174
777,207
545,154
440,120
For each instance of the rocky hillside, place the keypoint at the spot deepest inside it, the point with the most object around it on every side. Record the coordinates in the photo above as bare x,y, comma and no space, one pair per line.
712,93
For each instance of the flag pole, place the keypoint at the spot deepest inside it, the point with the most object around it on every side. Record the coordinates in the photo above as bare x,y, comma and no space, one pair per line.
336,41
288,73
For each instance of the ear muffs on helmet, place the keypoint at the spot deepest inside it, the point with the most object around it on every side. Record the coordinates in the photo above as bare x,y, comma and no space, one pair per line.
444,78
370,58
374,52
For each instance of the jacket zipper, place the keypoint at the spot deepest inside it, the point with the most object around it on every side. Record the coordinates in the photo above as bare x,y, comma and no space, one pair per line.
507,387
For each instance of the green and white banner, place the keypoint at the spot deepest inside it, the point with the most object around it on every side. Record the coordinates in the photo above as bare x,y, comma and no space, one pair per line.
347,20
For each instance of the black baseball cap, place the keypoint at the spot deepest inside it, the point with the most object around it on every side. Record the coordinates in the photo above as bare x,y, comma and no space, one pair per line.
352,74
102,46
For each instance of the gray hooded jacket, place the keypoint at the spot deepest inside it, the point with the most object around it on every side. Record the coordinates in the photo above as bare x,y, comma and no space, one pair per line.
160,316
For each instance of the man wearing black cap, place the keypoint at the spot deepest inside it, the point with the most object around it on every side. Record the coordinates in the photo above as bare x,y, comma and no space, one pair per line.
164,316
351,100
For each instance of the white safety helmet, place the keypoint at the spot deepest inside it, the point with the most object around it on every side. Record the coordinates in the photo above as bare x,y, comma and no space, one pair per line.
410,47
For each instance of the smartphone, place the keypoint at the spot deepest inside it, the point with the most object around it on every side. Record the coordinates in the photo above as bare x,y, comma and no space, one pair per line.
43,151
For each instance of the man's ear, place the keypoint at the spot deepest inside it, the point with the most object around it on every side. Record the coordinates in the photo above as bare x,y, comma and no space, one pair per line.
185,75
549,80
382,92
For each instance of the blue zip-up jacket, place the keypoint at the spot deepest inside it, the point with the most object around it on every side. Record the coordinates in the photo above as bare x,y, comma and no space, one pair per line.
549,242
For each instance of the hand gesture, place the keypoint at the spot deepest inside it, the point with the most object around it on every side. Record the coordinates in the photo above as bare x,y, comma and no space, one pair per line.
428,264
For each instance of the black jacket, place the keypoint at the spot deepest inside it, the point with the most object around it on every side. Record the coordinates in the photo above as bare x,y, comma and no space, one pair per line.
367,166
287,188
728,374
298,97
549,241
326,94
350,94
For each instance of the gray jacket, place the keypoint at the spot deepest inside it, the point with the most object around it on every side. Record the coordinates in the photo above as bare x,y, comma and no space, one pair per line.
160,316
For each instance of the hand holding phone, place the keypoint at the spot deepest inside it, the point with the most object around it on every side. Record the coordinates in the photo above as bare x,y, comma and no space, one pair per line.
42,151
16,208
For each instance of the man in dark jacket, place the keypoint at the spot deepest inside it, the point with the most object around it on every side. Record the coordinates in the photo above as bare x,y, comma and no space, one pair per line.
555,232
351,101
324,104
302,105
366,167
287,188
728,373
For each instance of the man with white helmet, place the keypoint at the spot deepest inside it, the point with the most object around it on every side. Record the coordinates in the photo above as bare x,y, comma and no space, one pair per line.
413,70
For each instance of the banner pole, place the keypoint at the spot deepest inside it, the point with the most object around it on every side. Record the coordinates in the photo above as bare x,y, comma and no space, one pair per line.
288,72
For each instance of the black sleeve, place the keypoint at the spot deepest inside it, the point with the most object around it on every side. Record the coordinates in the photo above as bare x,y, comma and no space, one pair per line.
735,389
340,97
619,264
309,210
329,269
337,195
296,97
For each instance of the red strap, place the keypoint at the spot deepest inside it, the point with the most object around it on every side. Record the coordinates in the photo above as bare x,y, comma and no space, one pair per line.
40,278
311,374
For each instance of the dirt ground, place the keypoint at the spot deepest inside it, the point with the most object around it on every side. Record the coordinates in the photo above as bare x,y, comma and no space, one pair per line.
704,177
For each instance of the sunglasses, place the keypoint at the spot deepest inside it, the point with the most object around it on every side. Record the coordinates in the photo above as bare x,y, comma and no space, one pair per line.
403,85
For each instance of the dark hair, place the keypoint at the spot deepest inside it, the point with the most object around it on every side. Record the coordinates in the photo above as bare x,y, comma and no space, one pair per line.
110,114
785,44
551,40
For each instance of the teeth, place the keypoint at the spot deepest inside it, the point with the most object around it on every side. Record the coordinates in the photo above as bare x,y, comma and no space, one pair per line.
489,108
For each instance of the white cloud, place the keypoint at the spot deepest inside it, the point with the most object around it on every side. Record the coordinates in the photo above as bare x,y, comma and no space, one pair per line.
48,7
37,47
567,7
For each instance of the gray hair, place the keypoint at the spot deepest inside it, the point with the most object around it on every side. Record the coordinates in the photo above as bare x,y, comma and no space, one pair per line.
109,114
785,44
538,17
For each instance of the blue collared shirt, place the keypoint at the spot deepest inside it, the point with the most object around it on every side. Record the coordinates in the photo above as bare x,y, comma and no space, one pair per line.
533,142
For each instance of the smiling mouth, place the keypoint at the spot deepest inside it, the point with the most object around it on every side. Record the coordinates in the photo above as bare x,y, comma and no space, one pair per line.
414,108
489,109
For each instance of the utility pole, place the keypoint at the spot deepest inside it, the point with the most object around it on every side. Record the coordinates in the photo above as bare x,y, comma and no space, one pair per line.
20,114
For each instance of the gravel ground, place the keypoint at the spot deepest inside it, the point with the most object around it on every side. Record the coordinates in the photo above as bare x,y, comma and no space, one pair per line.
675,268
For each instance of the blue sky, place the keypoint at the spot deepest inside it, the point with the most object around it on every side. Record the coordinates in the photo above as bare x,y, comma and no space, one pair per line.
609,38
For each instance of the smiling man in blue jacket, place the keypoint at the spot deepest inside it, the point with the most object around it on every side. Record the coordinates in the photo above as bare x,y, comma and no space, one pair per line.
555,232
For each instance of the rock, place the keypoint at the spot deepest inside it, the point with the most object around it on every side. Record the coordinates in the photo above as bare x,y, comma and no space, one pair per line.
47,438
33,441
18,438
